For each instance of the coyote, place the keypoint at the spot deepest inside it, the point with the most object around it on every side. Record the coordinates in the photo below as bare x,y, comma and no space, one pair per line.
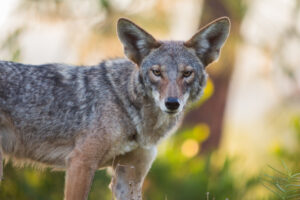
109,115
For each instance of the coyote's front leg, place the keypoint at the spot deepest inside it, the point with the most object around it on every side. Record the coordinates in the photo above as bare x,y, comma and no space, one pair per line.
129,173
81,166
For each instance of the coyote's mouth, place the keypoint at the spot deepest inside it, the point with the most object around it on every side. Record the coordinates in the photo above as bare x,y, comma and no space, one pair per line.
171,112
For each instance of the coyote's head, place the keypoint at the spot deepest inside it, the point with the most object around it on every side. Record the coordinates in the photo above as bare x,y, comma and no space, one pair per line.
173,72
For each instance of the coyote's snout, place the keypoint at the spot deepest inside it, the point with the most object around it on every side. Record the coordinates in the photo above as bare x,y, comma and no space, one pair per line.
109,115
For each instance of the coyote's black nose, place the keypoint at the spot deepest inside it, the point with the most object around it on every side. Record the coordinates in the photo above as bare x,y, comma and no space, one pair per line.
172,103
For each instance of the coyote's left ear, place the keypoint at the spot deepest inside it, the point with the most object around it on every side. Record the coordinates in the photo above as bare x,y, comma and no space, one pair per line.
136,41
208,41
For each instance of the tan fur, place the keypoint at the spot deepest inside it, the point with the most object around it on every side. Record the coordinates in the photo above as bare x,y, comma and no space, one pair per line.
82,163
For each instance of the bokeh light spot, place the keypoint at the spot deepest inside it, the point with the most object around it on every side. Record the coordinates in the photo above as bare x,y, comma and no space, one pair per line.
201,132
190,148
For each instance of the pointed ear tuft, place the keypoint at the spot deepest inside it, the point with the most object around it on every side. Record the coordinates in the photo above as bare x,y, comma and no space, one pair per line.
208,41
136,41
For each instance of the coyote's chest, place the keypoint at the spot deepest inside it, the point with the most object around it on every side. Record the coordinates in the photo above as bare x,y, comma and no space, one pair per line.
127,147
157,127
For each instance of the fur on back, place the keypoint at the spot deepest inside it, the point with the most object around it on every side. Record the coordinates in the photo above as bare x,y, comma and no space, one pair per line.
44,108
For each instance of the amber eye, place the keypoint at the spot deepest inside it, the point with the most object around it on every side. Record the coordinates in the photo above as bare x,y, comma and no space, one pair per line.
156,72
187,73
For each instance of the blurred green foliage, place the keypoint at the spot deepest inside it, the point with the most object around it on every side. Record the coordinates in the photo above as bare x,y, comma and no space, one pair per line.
28,184
33,184
284,184
178,177
290,155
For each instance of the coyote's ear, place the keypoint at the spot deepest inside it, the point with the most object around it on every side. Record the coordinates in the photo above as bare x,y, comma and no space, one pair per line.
136,41
208,41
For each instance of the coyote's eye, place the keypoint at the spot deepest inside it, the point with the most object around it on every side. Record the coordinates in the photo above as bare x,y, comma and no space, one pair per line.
187,73
156,72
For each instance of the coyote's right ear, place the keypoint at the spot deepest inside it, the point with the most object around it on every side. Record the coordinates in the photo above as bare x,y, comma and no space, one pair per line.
208,42
136,41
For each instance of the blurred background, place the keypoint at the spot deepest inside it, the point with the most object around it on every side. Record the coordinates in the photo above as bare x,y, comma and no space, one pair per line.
240,141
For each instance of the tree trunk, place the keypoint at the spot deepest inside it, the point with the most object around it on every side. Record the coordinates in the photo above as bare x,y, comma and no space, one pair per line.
212,111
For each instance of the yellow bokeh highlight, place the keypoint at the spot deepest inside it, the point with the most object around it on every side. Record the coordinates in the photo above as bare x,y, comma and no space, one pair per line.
208,92
190,148
201,132
209,89
275,147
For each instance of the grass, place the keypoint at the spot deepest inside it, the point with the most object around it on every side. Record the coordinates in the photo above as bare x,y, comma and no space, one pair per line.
285,185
